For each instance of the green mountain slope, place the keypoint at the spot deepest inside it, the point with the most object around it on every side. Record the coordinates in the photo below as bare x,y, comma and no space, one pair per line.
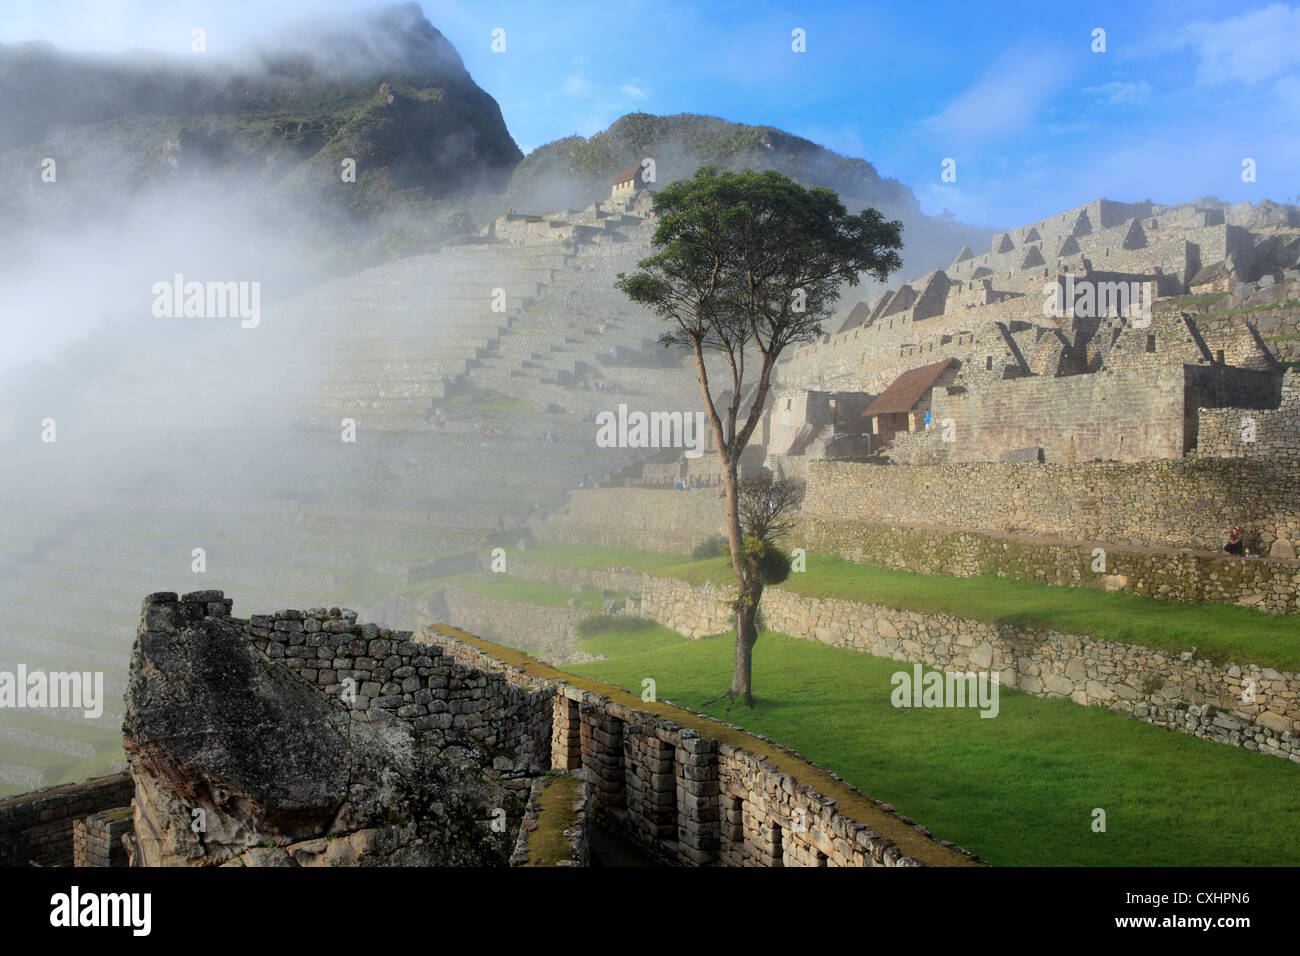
572,172
272,124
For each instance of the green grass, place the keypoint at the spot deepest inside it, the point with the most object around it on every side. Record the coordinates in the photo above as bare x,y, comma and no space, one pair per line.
1199,300
623,635
537,592
1266,307
1219,632
487,400
547,845
595,559
1017,789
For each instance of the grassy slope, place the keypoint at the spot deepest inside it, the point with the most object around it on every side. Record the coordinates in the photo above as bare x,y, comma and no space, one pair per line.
1219,632
594,558
534,592
1018,789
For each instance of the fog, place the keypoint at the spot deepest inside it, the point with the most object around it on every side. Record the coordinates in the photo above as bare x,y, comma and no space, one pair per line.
159,378
203,387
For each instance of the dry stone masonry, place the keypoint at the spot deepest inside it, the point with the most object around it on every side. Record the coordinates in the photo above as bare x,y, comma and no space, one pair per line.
673,789
252,729
38,828
1254,707
241,757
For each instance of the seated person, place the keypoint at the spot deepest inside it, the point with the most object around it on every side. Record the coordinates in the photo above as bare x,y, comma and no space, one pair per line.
1234,545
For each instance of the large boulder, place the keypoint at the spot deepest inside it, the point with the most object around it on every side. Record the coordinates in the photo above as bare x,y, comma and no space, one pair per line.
238,760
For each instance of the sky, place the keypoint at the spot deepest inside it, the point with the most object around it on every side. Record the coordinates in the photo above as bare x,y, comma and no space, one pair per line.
1026,106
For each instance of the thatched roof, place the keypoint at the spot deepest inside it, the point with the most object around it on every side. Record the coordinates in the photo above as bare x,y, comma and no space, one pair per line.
908,389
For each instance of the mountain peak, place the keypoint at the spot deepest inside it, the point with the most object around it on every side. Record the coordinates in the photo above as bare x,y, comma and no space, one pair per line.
390,41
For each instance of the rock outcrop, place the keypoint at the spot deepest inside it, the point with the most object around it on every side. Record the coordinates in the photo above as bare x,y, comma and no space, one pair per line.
238,760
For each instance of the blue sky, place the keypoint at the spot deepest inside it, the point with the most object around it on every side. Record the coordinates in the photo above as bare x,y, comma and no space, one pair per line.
1034,118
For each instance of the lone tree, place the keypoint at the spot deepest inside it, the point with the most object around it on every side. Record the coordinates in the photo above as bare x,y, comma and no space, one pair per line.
767,507
748,264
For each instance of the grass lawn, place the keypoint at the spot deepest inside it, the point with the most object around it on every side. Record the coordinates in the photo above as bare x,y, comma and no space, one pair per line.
537,592
486,399
597,559
1017,789
1219,632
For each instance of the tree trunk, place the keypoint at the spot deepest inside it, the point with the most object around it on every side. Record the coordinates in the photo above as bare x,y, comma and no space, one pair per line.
747,598
746,636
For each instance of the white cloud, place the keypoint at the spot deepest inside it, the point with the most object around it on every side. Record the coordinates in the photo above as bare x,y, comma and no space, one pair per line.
575,84
1007,99
633,92
1119,93
1251,48
1287,91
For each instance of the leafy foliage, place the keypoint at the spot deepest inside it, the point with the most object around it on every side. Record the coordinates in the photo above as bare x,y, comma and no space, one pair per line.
767,562
711,547
613,624
753,262
747,265
768,505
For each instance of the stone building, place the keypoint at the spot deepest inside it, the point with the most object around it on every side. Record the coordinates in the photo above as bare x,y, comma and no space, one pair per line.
905,406
628,183
1072,338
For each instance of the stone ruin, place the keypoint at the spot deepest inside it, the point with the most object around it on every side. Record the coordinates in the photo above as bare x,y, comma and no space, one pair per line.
1110,332
304,738
399,348
238,758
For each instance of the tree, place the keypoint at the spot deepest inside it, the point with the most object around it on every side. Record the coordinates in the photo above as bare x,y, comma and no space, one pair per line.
767,506
748,264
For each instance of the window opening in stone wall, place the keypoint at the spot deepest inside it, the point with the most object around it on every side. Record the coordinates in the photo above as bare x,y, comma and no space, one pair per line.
574,744
1151,343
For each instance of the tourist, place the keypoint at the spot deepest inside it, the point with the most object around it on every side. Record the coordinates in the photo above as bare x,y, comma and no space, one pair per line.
1234,545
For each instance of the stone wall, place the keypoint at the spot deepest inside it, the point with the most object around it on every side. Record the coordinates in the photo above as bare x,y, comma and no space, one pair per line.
1128,415
649,519
1132,414
688,792
37,827
1174,504
544,632
365,665
1270,584
1178,503
1254,433
97,840
1278,327
1254,707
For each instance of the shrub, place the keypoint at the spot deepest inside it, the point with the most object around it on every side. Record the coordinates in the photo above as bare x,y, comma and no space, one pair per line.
773,564
612,624
714,546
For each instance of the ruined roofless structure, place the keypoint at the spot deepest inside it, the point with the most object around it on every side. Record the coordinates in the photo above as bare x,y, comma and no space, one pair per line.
1075,338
